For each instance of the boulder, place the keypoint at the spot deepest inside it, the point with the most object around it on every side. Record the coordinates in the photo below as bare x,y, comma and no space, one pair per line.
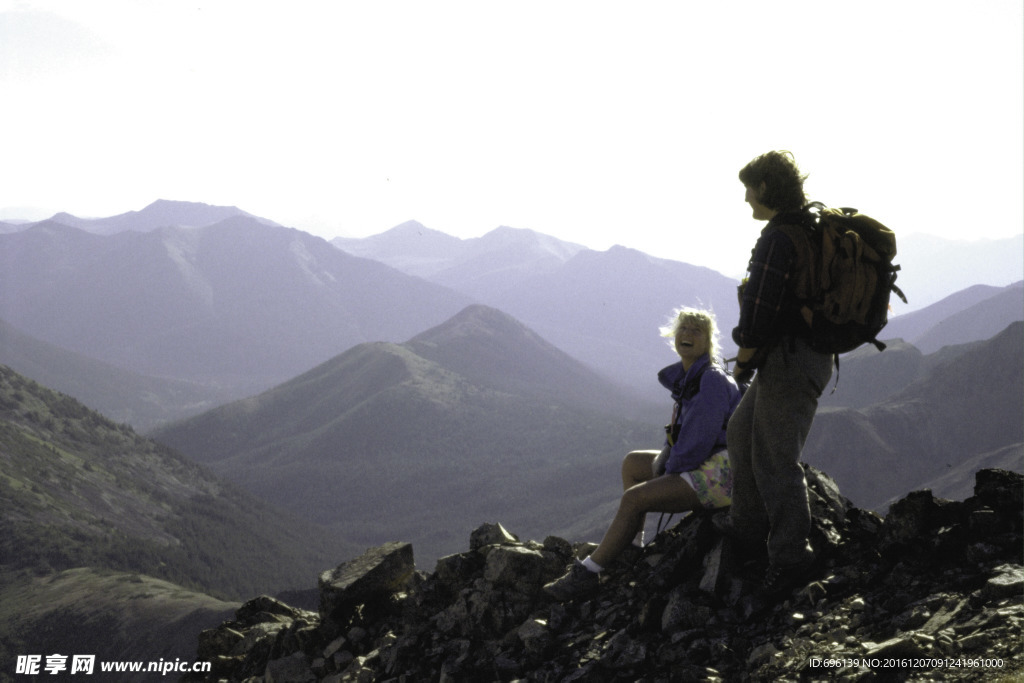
370,578
490,534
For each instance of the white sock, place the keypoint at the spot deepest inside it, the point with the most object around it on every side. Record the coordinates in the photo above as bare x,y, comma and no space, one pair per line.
592,566
638,540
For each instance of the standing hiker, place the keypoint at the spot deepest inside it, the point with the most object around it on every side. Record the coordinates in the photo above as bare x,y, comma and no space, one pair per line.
767,432
692,470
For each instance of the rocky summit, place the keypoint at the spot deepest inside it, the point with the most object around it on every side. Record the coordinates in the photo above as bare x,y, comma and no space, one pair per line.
931,592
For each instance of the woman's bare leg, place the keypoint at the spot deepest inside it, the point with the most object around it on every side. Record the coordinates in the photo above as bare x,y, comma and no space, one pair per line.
667,493
636,468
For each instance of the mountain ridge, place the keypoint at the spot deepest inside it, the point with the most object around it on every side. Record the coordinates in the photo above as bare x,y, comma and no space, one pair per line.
161,213
238,312
882,450
381,428
991,309
238,303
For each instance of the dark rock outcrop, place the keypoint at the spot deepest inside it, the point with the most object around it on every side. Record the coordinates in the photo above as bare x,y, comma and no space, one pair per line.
932,591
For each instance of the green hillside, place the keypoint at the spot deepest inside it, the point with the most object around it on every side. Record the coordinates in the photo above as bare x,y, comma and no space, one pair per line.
117,616
77,490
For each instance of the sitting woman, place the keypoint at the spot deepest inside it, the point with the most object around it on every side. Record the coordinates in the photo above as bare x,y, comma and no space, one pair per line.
692,471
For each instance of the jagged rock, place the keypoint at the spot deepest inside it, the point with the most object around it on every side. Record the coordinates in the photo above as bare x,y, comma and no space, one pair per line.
716,565
557,545
761,654
534,634
1007,582
681,612
909,519
512,566
454,568
376,574
218,641
999,489
934,582
490,534
266,609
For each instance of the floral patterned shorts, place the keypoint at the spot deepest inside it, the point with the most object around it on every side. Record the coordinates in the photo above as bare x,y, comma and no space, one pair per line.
712,481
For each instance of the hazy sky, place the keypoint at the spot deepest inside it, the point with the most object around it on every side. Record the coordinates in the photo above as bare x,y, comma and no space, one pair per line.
597,122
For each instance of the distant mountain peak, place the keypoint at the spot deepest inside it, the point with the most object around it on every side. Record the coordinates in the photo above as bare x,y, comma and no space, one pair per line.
413,234
163,213
410,247
411,226
189,214
481,321
62,217
165,204
496,350
504,236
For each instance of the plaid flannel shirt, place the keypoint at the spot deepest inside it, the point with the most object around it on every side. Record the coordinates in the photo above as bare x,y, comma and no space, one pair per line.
766,293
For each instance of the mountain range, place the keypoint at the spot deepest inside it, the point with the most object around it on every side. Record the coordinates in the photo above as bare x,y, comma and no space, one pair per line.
916,342
431,254
162,213
333,401
382,426
610,303
208,304
963,413
474,418
972,314
604,308
932,268
238,305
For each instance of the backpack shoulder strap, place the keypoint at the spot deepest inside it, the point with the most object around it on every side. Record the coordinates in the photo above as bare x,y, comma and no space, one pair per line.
805,271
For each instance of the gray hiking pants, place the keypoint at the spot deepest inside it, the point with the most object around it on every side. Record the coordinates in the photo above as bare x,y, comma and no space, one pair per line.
765,437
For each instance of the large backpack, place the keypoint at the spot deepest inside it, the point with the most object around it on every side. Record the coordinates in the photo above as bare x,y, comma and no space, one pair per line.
843,277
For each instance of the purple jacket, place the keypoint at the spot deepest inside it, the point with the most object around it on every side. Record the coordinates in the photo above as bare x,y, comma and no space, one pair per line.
701,419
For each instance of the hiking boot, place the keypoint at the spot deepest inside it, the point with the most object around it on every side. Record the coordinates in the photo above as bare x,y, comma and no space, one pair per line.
577,582
746,546
780,579
727,527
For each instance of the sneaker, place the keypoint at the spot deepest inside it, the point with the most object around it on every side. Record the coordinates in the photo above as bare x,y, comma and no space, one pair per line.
578,581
